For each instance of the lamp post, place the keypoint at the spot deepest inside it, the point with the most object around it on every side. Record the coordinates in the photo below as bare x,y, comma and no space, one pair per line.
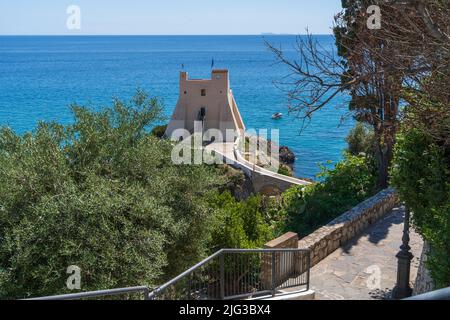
403,289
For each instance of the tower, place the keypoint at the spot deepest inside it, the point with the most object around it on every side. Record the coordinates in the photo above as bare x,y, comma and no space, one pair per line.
209,102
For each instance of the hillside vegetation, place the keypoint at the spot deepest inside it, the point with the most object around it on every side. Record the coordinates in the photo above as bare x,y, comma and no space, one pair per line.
103,194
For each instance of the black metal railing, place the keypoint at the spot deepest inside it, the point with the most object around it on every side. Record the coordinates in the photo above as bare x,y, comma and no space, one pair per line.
238,274
442,294
132,293
226,275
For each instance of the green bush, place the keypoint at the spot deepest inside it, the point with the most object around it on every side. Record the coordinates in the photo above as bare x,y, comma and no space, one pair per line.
307,208
361,140
159,131
284,170
101,194
421,175
238,224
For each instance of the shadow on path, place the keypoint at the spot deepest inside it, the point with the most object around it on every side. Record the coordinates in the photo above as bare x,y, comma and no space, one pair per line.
366,268
379,230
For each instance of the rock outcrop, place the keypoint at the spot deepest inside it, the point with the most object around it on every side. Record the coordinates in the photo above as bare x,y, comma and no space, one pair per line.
287,157
240,186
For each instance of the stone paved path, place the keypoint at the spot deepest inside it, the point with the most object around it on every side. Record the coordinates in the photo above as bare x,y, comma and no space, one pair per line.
352,271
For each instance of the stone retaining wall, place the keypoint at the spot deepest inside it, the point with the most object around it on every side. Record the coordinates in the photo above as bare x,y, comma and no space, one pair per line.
338,232
335,234
287,241
284,262
424,283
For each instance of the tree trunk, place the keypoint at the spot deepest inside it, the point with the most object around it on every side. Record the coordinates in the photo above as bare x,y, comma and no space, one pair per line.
386,138
384,163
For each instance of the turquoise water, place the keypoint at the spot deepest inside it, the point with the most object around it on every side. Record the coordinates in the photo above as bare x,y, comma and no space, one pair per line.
41,76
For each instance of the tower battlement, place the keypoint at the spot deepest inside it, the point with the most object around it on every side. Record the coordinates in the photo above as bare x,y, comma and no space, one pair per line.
207,100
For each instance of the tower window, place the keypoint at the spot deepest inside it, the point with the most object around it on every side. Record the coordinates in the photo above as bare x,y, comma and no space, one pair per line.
203,92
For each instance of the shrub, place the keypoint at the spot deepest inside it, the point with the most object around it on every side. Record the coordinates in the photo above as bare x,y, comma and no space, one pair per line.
238,224
284,170
347,184
421,175
159,131
361,140
101,194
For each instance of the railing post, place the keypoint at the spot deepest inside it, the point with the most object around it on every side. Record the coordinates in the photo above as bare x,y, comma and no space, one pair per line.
308,268
222,276
146,293
188,291
273,274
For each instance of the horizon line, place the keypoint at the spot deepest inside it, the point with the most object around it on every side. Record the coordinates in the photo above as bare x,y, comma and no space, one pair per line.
162,35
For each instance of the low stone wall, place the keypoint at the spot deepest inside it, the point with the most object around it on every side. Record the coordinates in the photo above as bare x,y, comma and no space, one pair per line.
284,262
335,234
286,241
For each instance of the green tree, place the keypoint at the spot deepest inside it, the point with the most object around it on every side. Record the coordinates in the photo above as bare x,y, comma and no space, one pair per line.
361,140
102,194
239,224
375,86
421,175
159,131
307,208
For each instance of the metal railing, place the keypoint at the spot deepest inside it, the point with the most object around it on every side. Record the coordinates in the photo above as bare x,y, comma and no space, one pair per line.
239,274
249,166
442,294
130,293
226,275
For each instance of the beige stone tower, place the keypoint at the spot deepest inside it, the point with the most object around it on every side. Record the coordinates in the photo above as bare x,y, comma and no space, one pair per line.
209,102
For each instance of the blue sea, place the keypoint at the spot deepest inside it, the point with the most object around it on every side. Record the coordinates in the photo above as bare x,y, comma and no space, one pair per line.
41,76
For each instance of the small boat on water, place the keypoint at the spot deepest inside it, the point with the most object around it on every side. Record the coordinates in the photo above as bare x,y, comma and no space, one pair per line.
277,116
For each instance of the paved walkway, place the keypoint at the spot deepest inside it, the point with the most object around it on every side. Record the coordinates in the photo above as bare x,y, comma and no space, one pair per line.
366,268
227,150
